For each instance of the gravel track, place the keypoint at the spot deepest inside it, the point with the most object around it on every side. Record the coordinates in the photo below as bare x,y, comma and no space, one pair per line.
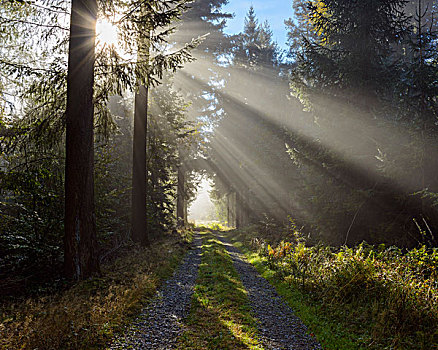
160,323
278,327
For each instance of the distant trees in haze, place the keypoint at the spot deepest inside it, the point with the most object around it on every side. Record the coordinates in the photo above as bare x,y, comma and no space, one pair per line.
359,131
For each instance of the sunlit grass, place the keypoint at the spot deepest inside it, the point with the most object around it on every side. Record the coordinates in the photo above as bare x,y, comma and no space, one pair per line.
214,225
220,315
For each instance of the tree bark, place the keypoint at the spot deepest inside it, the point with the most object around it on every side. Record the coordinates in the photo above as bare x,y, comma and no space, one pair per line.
241,211
80,242
139,222
228,210
181,199
139,172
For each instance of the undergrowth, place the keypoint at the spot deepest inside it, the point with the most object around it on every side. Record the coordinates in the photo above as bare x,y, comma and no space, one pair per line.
220,314
90,313
372,297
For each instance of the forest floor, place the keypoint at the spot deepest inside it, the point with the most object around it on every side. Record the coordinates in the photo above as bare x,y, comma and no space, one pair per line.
216,290
88,314
216,300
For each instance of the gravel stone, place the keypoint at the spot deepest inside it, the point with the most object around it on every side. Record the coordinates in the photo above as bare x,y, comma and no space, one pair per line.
160,324
278,327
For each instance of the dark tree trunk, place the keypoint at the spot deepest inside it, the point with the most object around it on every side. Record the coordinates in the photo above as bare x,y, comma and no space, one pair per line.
231,209
139,171
238,211
181,198
228,210
80,243
241,211
139,220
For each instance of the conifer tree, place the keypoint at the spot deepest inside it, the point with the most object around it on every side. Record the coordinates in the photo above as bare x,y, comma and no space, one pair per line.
254,47
144,21
253,84
139,149
347,76
299,27
80,251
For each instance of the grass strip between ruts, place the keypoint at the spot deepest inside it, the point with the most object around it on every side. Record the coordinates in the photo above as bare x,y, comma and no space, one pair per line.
220,315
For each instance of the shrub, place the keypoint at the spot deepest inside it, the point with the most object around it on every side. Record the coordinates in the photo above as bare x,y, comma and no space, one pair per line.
396,290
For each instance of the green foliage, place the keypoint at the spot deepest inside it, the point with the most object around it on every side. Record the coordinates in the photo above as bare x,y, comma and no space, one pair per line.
171,140
255,46
32,131
332,327
112,178
31,201
395,291
364,73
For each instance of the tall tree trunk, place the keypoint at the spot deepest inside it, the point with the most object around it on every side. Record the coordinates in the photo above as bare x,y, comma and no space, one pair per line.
80,243
228,210
181,198
139,171
241,210
139,225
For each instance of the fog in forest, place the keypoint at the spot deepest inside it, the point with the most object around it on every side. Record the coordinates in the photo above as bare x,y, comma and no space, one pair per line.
132,133
202,210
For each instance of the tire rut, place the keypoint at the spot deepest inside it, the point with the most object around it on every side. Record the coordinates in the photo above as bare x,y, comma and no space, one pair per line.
279,328
160,323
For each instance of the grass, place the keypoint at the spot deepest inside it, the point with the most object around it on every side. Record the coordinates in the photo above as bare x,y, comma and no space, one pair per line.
331,333
90,313
220,315
352,298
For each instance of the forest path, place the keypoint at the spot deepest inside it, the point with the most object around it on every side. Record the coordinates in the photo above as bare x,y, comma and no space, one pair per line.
232,306
278,326
160,324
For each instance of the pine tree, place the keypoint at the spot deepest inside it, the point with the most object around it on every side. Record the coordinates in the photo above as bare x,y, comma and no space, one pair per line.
418,89
269,50
249,139
355,40
80,252
144,21
299,27
344,77
254,47
139,229
249,37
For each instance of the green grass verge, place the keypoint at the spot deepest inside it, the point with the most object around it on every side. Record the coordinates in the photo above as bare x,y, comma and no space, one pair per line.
220,315
327,323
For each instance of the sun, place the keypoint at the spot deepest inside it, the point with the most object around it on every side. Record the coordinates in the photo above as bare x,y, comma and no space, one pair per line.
106,32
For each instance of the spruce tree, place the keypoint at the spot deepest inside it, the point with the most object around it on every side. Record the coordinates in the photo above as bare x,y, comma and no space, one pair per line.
80,244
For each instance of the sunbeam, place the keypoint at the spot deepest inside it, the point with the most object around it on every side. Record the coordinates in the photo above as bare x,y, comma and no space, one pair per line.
106,32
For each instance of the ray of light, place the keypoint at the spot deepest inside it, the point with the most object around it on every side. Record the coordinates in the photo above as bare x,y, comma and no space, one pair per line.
348,137
107,33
